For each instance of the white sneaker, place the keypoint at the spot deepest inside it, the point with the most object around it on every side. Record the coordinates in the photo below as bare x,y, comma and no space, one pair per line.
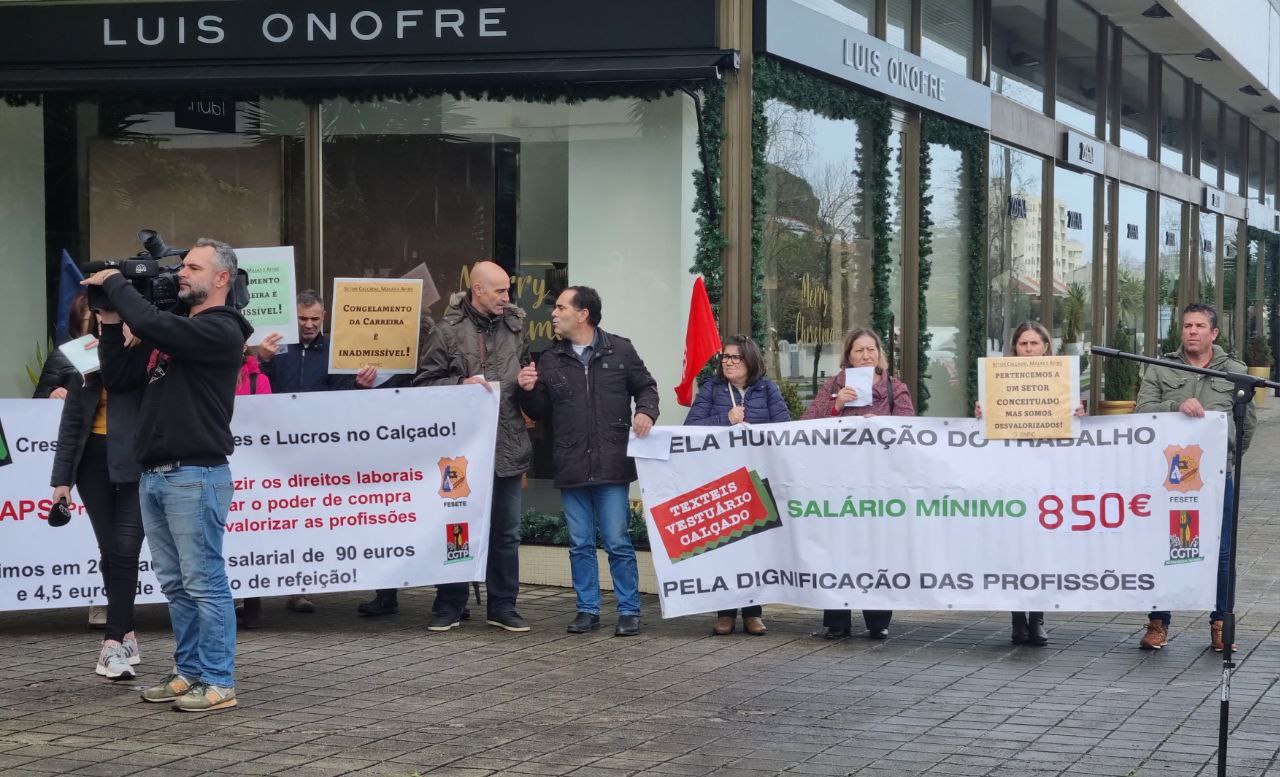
97,616
113,664
131,652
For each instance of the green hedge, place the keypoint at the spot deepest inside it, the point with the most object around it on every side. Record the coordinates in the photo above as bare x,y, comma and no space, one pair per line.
539,528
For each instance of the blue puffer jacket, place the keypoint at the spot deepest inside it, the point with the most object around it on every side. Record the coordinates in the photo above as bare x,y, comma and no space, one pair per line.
762,399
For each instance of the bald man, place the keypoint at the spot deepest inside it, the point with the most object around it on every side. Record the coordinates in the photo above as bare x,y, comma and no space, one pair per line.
479,339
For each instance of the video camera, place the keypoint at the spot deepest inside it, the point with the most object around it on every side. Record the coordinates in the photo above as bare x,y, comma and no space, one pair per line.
157,283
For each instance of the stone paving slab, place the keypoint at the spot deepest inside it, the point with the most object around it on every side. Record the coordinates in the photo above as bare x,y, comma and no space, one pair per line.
333,694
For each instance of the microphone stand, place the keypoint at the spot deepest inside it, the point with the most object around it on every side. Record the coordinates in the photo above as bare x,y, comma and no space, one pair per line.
1241,396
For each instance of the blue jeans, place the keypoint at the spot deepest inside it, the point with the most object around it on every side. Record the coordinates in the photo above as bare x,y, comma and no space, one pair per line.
184,512
1224,561
605,508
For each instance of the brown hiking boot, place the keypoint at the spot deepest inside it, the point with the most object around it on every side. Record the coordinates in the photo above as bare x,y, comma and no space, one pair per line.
1157,635
1216,639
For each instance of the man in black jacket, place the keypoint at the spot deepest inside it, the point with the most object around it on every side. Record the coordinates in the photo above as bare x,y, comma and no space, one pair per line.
585,384
187,368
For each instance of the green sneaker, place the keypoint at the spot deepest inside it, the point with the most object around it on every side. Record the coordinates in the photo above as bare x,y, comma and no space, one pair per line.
203,697
169,689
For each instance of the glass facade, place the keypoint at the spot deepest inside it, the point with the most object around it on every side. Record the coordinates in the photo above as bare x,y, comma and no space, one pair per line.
1231,267
948,355
1135,78
1210,140
1077,82
1018,55
817,247
1174,135
898,22
1131,266
1207,260
1234,154
947,34
1015,189
1073,297
1169,289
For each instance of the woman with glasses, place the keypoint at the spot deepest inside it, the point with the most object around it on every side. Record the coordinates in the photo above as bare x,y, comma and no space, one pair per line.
739,393
862,348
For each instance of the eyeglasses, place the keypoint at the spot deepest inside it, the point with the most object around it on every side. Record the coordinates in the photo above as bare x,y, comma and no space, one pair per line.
731,358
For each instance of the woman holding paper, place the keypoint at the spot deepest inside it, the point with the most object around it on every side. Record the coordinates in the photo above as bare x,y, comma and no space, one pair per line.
58,372
95,453
863,364
1030,338
739,394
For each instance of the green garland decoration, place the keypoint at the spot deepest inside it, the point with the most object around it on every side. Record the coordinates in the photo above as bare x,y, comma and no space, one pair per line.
808,92
971,142
708,200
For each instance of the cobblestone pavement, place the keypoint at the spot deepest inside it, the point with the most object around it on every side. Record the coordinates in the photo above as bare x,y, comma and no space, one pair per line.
333,694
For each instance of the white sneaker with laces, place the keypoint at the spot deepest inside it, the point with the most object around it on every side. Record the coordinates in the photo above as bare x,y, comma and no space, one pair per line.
131,651
113,663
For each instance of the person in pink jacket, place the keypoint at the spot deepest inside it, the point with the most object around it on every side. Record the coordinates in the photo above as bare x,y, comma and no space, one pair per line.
889,396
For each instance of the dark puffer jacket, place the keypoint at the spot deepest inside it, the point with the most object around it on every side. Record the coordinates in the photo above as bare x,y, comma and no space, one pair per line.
763,402
466,342
590,408
77,424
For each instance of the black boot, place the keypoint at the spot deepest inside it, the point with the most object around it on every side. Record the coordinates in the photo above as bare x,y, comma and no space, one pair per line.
1036,634
1019,635
252,613
384,602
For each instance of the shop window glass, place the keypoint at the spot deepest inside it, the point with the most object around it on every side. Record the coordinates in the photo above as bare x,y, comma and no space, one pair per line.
858,14
896,248
227,170
947,34
1234,155
947,308
1174,135
817,248
1210,141
1231,266
1207,252
1018,54
1073,220
1131,265
1013,255
898,19
597,193
1077,93
1168,278
1134,80
1256,138
1254,319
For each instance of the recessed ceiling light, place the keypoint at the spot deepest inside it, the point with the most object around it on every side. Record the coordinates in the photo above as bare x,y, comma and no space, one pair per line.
1271,109
1023,59
1207,55
1249,90
1156,11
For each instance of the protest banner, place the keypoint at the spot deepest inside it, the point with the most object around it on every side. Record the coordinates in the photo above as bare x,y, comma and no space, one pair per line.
335,491
1029,398
927,513
273,292
375,321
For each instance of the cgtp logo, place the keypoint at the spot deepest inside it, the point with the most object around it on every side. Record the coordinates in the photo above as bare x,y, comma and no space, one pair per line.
453,478
1182,468
1184,537
457,543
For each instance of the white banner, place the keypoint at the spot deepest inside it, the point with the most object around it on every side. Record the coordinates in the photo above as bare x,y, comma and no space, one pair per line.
335,491
926,513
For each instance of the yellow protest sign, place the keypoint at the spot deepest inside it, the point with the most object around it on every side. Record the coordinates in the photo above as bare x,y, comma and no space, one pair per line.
1029,398
375,321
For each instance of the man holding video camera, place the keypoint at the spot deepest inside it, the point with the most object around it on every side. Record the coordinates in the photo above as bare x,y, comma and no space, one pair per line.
187,368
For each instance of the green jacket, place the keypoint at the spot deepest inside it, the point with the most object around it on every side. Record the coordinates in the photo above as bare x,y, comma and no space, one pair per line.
467,343
1163,389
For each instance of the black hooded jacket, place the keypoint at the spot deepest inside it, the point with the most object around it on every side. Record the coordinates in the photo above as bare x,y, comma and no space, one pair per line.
187,368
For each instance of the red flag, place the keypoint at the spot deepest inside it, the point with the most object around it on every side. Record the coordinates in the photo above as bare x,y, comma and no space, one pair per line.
701,341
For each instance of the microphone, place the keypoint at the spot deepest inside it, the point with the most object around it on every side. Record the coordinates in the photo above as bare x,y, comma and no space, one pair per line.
59,514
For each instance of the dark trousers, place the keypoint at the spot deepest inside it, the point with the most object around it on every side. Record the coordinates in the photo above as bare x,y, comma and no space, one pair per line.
754,611
1220,603
117,524
843,619
502,576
